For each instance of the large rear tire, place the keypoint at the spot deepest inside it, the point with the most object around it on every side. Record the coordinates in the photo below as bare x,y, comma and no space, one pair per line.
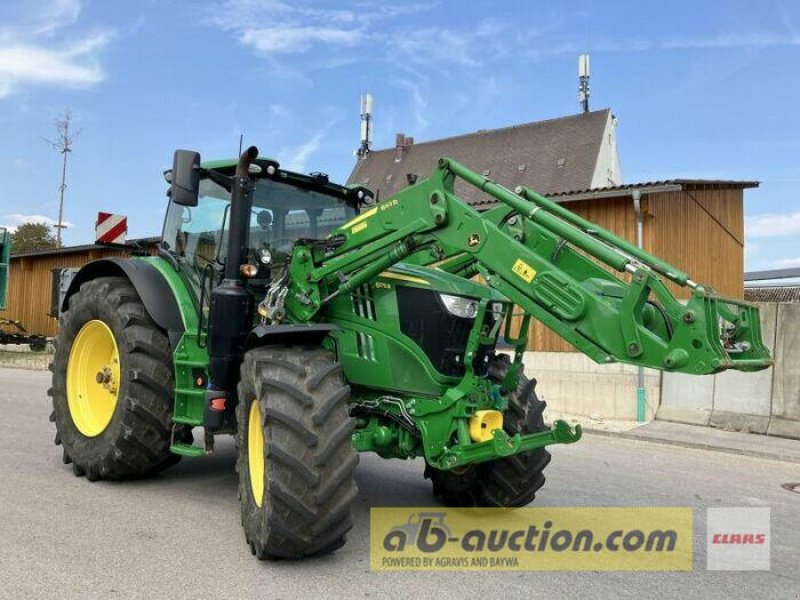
507,482
112,384
296,461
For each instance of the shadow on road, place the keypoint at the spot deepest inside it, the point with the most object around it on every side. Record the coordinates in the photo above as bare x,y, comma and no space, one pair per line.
380,482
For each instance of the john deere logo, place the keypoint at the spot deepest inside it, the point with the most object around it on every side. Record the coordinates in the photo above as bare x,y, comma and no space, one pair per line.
473,240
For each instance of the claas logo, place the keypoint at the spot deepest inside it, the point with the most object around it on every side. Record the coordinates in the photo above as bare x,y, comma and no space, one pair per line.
739,538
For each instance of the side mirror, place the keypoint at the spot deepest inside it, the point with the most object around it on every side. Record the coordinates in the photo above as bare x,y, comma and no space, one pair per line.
185,180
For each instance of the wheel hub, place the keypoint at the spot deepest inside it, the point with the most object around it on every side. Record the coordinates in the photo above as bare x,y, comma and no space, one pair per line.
93,373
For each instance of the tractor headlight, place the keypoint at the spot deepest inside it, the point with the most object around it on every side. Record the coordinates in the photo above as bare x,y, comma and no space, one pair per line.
264,256
466,308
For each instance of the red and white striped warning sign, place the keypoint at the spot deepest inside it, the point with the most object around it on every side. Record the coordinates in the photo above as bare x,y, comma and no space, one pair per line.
110,229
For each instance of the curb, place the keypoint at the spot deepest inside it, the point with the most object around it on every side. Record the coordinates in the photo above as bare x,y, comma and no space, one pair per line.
695,445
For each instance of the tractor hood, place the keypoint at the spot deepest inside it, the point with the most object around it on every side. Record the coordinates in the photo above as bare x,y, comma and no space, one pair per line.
441,281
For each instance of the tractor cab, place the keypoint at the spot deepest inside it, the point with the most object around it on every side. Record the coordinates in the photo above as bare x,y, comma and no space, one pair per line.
285,207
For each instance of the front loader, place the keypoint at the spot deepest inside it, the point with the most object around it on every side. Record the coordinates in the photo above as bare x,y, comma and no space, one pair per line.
312,324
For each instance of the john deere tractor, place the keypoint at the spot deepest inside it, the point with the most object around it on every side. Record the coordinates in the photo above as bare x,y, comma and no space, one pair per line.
312,324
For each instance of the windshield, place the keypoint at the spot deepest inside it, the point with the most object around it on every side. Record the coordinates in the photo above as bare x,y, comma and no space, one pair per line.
197,236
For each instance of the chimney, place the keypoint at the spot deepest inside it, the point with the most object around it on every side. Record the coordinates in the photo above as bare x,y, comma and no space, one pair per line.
401,143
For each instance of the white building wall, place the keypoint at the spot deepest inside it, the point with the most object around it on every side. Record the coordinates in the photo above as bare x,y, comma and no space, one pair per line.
608,172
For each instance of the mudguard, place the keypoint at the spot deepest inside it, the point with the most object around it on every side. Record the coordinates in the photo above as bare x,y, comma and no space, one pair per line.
151,286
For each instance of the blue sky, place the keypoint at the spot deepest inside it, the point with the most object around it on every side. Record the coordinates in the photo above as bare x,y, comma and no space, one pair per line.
703,89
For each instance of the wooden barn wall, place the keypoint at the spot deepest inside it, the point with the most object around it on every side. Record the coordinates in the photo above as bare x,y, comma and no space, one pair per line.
30,282
699,231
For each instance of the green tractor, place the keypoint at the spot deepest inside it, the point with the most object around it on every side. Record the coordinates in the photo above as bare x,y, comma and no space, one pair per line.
312,323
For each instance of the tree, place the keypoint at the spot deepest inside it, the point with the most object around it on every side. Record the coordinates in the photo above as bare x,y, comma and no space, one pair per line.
32,236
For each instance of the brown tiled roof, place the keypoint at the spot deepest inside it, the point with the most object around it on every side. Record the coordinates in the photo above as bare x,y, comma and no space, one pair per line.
550,156
788,293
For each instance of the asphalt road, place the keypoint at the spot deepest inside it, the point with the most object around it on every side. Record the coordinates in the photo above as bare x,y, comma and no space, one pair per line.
179,536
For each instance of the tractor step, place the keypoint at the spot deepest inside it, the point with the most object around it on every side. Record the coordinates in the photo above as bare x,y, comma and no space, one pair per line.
184,449
187,449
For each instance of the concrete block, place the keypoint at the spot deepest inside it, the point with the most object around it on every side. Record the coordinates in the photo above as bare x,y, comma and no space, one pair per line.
731,421
788,428
786,377
748,393
687,392
691,416
574,384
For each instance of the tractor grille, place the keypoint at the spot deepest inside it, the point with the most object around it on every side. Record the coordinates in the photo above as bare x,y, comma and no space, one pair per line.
364,302
365,344
442,336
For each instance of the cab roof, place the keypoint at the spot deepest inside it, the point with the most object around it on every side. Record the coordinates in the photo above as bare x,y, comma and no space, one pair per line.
318,181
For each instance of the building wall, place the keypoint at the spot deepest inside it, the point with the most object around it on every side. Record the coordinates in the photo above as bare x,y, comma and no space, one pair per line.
764,402
607,172
29,286
701,232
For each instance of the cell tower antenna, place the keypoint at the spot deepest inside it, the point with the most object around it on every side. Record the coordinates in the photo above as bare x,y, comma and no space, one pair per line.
583,78
62,143
366,126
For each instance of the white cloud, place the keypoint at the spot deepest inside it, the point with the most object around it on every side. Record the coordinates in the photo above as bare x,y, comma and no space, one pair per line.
11,222
538,45
741,39
787,263
419,102
467,48
299,155
273,27
40,52
297,39
57,14
772,225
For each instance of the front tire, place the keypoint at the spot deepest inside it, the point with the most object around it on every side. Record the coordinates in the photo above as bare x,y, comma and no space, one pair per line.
507,482
296,461
112,384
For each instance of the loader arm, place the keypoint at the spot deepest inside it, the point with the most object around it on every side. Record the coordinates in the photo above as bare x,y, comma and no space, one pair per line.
546,260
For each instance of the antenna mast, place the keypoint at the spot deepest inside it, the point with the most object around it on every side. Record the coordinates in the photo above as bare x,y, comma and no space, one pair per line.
63,144
366,126
583,86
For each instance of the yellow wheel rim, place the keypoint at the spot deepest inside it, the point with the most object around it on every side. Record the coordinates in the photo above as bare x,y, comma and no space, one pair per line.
93,378
255,452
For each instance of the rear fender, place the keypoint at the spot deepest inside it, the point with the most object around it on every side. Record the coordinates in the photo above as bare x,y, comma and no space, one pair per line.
151,286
